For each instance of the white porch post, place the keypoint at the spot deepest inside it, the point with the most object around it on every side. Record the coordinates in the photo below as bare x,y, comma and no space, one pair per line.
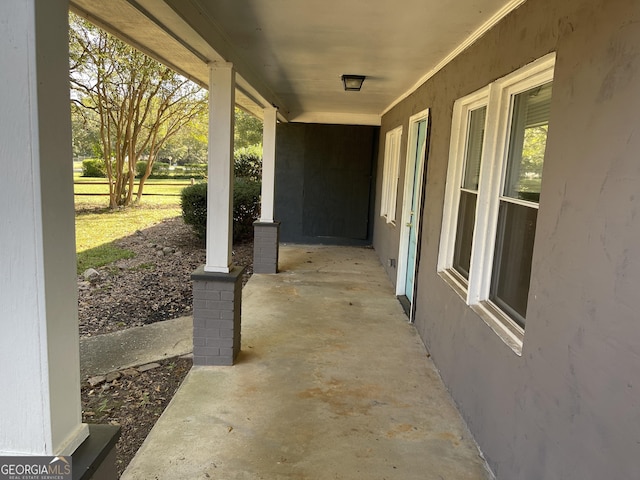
220,189
217,286
39,356
268,164
266,232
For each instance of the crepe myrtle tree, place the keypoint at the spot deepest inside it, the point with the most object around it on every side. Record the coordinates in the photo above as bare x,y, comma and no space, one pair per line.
139,104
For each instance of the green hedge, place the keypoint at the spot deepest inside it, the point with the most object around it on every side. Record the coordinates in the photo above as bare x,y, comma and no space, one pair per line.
247,163
93,167
193,200
161,170
246,207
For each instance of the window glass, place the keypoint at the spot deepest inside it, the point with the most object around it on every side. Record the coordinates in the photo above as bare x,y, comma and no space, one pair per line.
464,235
517,223
512,260
527,143
468,193
473,154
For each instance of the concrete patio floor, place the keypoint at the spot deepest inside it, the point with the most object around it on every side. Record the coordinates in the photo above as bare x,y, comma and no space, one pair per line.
331,383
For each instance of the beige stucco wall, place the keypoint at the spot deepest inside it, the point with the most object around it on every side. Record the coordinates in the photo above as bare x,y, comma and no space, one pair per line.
569,407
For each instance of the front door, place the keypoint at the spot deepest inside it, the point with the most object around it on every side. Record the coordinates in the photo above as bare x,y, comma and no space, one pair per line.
411,209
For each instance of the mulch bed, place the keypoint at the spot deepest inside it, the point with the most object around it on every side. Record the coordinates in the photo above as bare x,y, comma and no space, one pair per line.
152,286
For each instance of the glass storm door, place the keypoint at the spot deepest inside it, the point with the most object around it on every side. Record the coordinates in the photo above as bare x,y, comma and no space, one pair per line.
412,223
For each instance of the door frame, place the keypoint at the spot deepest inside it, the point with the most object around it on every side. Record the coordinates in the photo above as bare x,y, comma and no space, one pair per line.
409,181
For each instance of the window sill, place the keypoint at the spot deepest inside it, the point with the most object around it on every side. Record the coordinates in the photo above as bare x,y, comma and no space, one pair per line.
452,279
509,332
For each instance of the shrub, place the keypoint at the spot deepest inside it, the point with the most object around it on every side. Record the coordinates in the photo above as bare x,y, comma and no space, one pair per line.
195,170
141,168
246,207
93,167
159,170
193,200
247,162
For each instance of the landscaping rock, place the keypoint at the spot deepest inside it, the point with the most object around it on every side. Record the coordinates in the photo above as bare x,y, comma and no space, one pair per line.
91,274
167,250
147,367
97,380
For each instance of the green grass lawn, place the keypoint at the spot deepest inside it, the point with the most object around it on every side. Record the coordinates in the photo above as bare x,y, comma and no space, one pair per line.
97,227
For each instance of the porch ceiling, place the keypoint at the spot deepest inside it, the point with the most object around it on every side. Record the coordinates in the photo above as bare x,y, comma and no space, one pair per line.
292,53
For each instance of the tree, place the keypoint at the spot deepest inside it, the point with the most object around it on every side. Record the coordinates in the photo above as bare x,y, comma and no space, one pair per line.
138,103
86,135
248,130
189,145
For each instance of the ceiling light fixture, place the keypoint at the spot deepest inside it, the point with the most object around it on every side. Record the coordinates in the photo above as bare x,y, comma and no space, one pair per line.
353,83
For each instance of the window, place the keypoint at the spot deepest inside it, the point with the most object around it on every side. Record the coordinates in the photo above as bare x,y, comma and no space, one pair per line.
390,175
469,191
493,190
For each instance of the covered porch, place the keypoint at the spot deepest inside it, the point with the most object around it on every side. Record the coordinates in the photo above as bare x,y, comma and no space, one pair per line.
332,382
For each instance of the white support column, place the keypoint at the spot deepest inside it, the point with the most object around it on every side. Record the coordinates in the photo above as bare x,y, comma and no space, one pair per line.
266,231
39,356
268,164
220,189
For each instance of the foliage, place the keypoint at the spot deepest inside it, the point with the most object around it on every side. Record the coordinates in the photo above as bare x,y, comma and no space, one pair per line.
138,104
198,170
246,207
86,137
248,130
190,144
162,170
530,168
93,167
248,162
193,201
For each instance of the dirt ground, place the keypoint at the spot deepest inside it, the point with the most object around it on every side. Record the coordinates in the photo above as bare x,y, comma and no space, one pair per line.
153,286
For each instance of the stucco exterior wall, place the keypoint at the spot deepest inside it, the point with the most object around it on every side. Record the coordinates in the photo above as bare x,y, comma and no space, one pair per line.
569,407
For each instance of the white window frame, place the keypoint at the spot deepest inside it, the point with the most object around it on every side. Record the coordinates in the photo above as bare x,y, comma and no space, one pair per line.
390,175
497,98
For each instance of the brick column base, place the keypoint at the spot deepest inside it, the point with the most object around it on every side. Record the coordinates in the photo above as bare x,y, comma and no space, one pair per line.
217,301
266,240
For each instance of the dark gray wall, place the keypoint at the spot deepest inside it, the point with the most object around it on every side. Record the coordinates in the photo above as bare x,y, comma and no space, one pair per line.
324,182
569,407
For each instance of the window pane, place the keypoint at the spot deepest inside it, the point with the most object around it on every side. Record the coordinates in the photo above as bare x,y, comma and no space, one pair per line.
473,155
512,260
527,143
464,233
